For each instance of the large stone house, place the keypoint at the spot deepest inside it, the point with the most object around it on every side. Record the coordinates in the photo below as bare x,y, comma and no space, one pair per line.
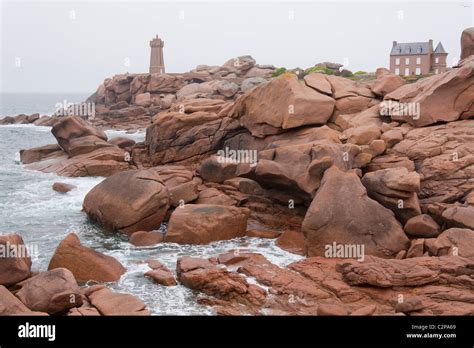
417,58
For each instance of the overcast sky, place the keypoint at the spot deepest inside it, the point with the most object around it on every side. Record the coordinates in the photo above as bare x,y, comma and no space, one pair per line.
59,46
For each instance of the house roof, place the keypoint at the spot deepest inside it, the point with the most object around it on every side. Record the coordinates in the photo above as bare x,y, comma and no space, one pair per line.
410,48
439,48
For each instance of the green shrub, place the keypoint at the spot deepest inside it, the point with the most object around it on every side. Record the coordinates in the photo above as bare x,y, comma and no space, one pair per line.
317,68
279,71
360,72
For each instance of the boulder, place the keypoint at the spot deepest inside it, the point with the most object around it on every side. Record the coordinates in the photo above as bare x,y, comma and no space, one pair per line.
179,137
214,196
422,226
251,82
71,128
15,262
240,64
283,103
299,169
218,169
53,292
202,224
143,99
444,97
460,238
467,43
362,135
462,217
161,274
130,201
108,302
341,212
245,185
318,82
292,241
218,282
144,238
62,187
85,263
163,83
11,305
180,182
396,189
386,82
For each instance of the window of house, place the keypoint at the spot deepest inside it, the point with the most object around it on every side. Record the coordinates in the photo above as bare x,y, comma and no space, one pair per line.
418,60
407,71
418,50
397,71
397,61
436,60
418,71
407,61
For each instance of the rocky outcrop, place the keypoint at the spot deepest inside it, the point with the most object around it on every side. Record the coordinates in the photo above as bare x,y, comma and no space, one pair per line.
177,137
15,262
135,200
85,263
341,212
443,156
83,151
445,97
283,103
202,224
396,189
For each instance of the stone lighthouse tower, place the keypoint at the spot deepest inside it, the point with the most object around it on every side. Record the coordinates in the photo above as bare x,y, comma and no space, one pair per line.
157,63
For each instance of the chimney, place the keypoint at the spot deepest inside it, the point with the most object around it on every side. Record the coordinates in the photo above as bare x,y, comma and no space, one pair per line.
394,43
430,45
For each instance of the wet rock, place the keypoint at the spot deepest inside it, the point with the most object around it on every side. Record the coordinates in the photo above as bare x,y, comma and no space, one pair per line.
136,200
292,241
161,274
85,263
145,238
62,187
263,234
